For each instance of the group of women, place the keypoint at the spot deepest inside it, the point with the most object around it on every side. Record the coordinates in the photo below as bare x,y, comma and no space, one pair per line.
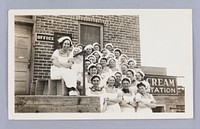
110,74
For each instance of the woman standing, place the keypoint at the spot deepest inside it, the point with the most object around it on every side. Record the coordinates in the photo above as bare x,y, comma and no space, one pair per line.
140,78
118,76
132,63
103,62
112,100
96,46
96,90
123,59
61,68
131,75
112,65
109,47
88,49
97,54
92,58
78,61
145,100
105,52
128,103
117,52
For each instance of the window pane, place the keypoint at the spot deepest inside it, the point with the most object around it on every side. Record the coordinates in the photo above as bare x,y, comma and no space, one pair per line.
89,34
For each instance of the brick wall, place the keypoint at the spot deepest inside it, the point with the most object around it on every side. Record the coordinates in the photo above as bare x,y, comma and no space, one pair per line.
122,31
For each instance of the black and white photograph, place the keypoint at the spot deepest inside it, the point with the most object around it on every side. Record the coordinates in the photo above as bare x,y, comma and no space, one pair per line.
100,64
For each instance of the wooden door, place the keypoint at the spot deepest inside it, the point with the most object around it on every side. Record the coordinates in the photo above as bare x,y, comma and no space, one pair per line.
22,58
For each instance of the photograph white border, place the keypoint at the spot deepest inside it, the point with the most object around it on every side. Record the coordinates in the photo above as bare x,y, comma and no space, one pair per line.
63,116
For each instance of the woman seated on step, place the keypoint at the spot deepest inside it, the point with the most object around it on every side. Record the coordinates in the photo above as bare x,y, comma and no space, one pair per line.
62,63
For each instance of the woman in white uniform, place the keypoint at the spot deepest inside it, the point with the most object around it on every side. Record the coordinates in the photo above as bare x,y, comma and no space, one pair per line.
128,103
96,90
144,99
140,77
112,99
78,61
61,68
112,65
132,63
96,46
131,75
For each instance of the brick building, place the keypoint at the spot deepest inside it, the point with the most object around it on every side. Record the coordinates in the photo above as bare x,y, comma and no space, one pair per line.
36,39
120,30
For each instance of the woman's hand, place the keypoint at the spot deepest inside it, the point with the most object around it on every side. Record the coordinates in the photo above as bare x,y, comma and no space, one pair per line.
56,63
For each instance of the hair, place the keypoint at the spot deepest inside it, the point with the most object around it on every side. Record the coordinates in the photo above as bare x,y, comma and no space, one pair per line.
97,44
105,50
94,76
88,60
109,44
91,56
112,59
61,43
125,65
90,67
80,45
130,70
117,49
118,72
76,49
132,60
126,79
109,78
141,84
103,58
98,64
141,73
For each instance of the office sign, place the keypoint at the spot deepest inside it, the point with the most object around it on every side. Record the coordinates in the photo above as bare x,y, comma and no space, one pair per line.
44,37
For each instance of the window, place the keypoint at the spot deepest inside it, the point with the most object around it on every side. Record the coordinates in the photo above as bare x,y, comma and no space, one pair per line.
90,33
159,108
180,108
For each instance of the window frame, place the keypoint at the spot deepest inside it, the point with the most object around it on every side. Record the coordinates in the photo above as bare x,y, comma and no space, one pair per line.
91,24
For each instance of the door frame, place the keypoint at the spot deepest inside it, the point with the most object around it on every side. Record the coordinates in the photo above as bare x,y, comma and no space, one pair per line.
31,23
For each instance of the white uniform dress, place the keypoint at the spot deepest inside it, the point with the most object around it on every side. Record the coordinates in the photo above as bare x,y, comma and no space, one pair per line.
112,94
68,75
129,97
101,94
148,99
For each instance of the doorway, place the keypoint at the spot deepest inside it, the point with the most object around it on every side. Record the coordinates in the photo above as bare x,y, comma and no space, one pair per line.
23,38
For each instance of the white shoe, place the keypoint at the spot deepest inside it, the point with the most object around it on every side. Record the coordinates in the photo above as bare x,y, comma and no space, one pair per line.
73,93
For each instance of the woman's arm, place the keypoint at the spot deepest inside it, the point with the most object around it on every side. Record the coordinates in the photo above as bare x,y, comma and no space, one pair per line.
115,100
142,105
151,105
105,104
61,64
56,63
126,104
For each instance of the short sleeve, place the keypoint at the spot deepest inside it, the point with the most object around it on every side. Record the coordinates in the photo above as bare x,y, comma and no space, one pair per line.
138,97
55,54
120,93
152,98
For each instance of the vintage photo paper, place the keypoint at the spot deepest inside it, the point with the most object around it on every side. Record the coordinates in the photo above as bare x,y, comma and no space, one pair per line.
100,64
